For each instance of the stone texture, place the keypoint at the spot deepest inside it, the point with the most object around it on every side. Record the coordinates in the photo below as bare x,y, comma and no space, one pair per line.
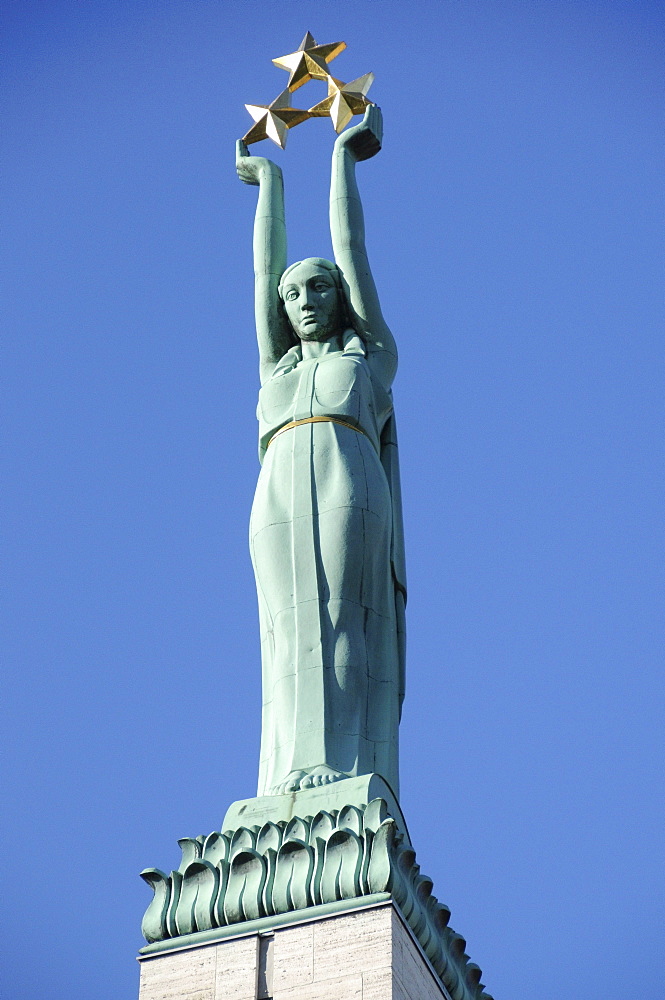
360,955
293,958
347,988
359,940
186,975
378,984
235,974
413,978
224,971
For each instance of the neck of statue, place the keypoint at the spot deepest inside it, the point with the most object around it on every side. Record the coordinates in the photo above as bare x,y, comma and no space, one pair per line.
319,348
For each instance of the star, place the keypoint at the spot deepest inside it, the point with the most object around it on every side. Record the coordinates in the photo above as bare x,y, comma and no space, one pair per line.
344,100
274,120
309,61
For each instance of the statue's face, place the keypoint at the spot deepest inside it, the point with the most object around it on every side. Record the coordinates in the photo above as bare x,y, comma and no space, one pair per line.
312,304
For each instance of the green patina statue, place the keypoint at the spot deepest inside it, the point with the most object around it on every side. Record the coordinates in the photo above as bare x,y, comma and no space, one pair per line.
328,553
327,547
326,529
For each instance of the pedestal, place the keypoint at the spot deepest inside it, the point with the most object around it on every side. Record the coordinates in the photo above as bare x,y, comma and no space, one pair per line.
368,953
333,867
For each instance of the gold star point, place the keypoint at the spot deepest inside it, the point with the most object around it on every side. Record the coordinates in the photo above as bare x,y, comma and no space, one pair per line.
344,100
273,121
309,61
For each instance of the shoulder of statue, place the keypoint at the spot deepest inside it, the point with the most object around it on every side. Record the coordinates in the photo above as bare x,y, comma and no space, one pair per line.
288,362
353,343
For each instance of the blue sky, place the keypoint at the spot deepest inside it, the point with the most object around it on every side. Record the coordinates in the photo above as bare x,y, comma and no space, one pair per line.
514,221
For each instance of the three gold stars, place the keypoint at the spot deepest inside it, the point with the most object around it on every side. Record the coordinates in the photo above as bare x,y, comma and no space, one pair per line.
309,62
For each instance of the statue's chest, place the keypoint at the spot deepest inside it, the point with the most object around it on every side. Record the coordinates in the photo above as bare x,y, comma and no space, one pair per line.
339,386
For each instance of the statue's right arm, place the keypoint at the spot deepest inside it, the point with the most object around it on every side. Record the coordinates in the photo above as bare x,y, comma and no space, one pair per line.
347,229
272,330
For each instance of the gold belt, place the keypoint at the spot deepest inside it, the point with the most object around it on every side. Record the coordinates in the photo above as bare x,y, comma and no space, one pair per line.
314,420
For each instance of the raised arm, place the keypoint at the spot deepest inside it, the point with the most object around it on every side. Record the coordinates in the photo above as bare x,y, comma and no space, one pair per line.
272,330
347,228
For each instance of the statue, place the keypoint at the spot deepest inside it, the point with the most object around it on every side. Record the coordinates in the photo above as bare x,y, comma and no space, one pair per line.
326,530
327,548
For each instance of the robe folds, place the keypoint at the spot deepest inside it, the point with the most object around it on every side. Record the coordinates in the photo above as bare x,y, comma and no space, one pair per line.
327,549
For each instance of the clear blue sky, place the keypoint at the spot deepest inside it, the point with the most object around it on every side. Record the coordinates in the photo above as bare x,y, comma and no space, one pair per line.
514,224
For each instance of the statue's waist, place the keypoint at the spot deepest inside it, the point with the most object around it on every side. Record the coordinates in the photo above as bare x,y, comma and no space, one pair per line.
315,420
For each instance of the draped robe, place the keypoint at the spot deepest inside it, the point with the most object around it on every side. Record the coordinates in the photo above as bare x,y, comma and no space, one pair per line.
327,550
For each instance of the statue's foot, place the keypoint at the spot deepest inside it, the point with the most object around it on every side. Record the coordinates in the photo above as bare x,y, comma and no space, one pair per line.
321,775
291,783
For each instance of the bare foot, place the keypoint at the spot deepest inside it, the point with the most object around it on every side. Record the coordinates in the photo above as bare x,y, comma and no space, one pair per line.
321,775
291,783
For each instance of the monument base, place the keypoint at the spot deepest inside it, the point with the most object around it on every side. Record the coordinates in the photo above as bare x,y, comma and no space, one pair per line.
367,953
310,858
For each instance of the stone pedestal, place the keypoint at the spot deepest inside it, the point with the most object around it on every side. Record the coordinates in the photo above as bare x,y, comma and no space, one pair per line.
315,894
360,954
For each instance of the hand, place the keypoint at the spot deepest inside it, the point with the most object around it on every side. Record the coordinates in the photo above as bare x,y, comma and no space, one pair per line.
363,140
250,168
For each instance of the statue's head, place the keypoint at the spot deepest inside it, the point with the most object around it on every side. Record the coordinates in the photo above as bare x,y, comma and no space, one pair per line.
313,298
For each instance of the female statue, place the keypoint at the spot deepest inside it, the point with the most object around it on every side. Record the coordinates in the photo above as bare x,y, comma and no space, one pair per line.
325,530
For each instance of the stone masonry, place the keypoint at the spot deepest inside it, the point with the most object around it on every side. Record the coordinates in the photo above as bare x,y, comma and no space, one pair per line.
367,954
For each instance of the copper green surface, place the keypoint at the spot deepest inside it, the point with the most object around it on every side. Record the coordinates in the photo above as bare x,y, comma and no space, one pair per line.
326,529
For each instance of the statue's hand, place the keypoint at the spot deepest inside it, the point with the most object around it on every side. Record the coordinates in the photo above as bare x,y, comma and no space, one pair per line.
251,168
363,140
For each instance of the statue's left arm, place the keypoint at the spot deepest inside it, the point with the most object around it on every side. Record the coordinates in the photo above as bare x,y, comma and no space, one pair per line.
347,228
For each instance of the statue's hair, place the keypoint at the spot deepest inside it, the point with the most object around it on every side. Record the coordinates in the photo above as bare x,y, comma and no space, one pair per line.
325,265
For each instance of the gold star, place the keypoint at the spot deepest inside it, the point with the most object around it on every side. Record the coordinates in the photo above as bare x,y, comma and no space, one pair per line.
344,100
274,120
309,61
